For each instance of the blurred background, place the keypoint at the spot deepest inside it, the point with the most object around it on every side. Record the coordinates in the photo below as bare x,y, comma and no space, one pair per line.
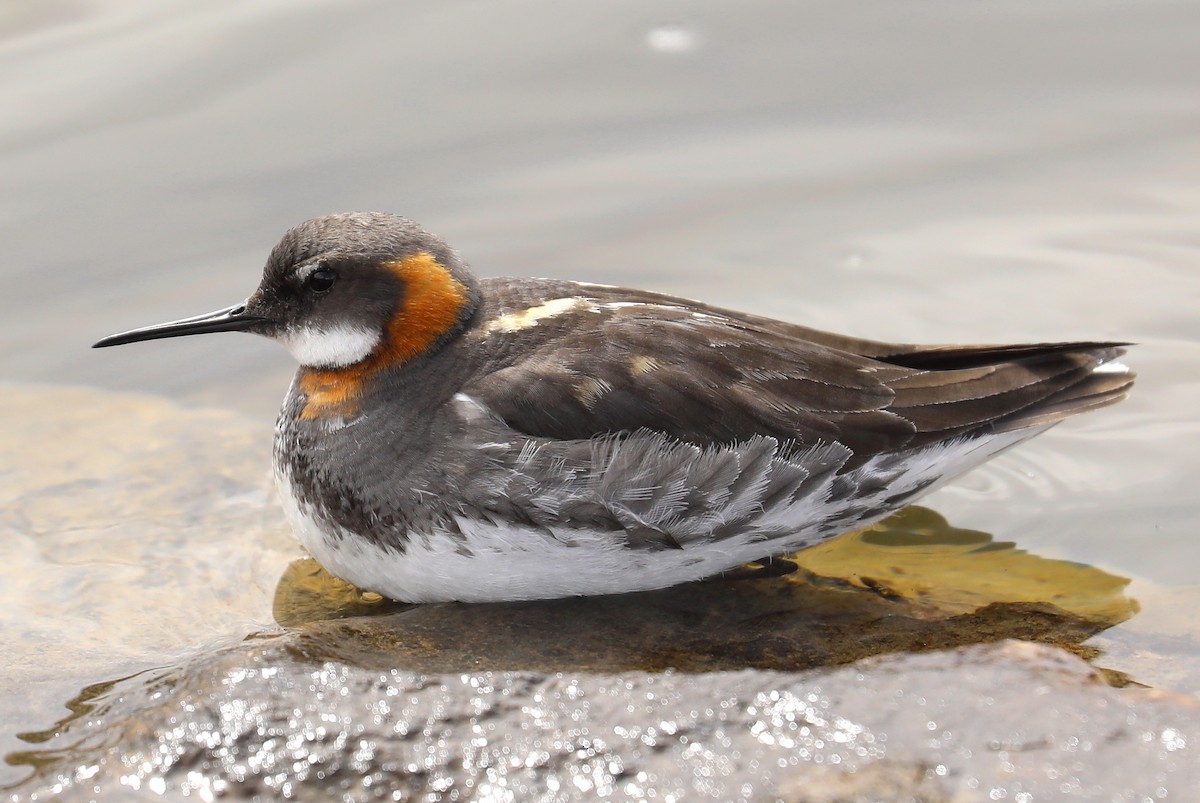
909,171
918,171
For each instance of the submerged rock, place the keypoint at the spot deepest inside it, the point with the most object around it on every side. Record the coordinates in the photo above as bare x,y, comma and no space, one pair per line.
801,621
1011,721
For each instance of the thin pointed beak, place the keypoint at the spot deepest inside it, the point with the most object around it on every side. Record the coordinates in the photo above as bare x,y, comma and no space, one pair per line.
230,319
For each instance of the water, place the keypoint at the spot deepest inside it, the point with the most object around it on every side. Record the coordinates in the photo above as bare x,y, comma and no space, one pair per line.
924,171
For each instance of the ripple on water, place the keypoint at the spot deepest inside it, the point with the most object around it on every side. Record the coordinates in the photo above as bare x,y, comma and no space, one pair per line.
133,531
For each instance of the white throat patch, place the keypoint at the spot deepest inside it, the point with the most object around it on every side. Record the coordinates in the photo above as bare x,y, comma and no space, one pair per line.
329,348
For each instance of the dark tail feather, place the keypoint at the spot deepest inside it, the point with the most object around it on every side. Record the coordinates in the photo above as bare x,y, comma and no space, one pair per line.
1100,389
1006,388
951,358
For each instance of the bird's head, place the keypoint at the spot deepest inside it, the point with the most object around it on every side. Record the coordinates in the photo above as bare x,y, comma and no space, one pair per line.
356,291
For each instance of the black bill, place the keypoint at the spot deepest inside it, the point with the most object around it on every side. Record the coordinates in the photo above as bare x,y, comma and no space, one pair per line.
230,319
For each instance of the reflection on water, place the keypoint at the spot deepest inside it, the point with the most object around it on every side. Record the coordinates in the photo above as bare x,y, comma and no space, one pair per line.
89,699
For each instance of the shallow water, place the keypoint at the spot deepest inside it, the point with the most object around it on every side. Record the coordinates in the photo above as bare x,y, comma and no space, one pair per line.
920,172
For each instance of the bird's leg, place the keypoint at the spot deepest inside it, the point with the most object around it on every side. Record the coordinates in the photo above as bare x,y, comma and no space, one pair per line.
767,568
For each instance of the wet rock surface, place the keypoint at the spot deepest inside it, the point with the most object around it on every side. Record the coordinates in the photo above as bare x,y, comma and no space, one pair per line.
790,623
1011,721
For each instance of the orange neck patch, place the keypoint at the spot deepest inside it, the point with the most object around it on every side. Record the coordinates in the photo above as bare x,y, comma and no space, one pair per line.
433,303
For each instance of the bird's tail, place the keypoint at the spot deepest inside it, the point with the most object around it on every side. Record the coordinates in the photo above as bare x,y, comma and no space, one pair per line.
1075,377
1108,383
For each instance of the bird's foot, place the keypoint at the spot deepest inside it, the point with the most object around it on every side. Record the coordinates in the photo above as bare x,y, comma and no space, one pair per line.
766,569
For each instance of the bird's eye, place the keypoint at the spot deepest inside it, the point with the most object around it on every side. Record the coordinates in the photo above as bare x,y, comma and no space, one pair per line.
321,279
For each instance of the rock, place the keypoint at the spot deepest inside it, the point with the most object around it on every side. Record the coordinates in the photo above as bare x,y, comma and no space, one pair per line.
1012,721
802,621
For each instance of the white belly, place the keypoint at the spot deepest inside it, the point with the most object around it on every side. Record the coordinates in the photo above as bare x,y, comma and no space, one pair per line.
505,563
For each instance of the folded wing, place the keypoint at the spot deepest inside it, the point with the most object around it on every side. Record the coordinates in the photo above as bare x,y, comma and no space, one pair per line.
705,376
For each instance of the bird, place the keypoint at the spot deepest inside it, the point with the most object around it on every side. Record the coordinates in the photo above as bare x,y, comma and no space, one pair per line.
451,438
